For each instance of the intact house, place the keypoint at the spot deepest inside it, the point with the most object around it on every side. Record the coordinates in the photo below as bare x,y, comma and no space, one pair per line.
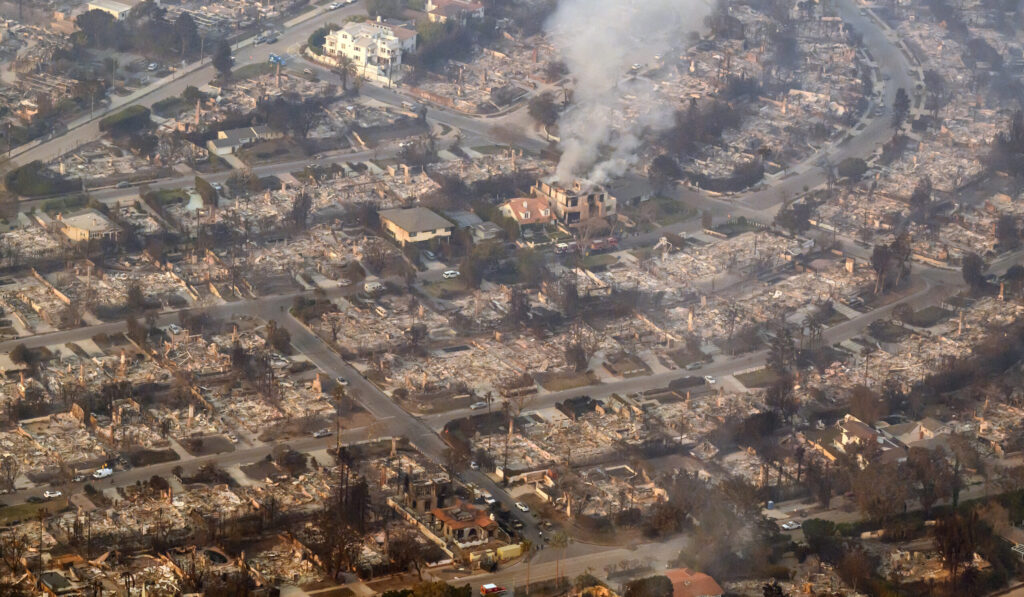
118,10
576,204
687,583
465,524
854,432
528,212
415,225
375,48
89,224
441,11
230,141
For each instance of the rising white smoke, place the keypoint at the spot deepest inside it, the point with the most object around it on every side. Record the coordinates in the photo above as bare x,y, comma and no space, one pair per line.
599,41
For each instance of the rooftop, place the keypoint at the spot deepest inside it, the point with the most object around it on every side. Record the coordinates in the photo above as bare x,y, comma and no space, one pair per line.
90,220
415,219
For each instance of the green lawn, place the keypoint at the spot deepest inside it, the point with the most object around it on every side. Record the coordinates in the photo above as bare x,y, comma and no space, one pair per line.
169,196
446,288
929,316
758,379
31,511
275,150
252,71
566,381
170,107
599,260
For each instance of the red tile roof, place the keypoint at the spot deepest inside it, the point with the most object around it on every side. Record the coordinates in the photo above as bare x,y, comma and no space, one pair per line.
687,583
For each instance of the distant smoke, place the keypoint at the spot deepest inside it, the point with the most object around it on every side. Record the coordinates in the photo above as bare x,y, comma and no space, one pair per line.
599,41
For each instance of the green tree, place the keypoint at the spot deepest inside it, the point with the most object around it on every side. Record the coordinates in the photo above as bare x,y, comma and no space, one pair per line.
188,34
543,109
222,59
317,38
973,270
651,586
852,168
900,108
957,538
206,191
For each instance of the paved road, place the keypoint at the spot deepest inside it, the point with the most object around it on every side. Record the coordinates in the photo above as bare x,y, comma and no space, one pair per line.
394,418
930,293
86,129
579,558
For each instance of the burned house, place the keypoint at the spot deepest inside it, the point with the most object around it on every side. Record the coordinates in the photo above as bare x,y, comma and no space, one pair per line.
576,204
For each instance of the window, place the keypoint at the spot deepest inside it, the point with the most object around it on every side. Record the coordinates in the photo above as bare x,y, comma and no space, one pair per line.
526,215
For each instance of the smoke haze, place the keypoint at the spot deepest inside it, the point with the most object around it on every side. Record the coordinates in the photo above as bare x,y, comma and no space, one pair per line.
600,40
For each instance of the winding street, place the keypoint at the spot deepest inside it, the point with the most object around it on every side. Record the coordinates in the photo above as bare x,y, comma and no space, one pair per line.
759,205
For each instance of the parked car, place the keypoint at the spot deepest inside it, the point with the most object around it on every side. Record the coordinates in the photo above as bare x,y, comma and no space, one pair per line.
522,507
322,433
344,282
491,590
52,493
474,465
35,499
233,438
124,184
478,405
710,379
430,255
103,473
308,71
152,67
791,525
448,275
79,478
341,381
334,6
694,366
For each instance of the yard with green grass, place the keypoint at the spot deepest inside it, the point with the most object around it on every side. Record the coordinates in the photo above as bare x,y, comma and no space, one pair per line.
31,511
446,289
274,150
759,378
253,71
556,382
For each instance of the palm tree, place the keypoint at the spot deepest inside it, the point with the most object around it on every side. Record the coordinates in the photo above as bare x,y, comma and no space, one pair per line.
527,547
344,68
813,325
560,541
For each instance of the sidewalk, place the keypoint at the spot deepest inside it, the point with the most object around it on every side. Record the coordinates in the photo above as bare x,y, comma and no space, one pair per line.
119,102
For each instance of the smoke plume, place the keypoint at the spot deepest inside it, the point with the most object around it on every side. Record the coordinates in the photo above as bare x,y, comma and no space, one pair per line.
599,41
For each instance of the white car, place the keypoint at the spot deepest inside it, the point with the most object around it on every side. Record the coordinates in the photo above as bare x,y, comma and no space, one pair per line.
522,507
792,525
448,275
344,282
334,6
710,379
474,465
152,66
52,493
322,433
478,405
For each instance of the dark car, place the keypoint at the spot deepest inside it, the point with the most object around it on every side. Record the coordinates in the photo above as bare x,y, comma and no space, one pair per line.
35,499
